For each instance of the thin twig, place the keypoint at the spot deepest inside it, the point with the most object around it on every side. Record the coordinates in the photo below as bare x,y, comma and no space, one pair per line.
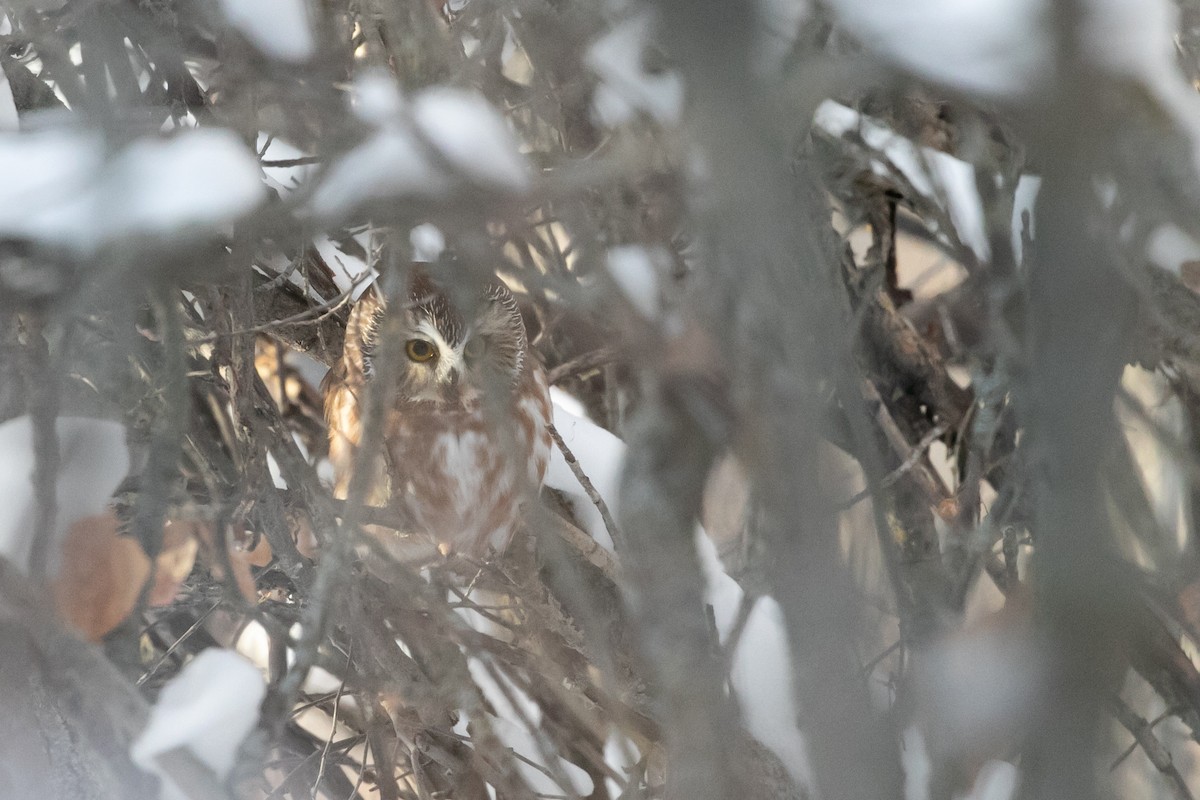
302,161
195,626
581,363
337,705
610,524
43,413
1156,751
910,461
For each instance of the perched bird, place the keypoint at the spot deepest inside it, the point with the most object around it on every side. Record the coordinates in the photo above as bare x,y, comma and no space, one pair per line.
466,433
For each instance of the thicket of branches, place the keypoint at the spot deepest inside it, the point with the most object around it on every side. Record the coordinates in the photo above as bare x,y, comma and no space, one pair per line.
914,440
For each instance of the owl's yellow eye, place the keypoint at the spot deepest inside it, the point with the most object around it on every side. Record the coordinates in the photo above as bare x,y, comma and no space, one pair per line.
420,350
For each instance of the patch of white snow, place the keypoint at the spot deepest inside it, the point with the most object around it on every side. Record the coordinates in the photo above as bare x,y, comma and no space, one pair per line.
209,708
626,88
93,460
279,28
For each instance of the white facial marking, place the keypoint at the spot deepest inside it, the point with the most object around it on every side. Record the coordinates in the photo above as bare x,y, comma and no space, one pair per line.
449,358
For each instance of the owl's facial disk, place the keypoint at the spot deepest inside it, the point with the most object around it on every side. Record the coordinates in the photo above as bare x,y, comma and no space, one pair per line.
453,366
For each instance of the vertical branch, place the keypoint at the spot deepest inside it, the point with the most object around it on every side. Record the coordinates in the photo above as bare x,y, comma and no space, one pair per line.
166,437
661,490
43,413
1080,321
776,315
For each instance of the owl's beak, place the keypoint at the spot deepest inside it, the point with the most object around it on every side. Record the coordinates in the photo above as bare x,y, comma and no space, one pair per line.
457,391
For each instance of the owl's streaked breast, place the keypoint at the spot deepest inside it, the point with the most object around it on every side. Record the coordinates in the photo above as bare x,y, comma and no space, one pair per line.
463,478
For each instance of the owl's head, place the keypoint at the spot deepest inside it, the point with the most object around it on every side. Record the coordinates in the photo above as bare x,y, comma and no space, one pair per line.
456,348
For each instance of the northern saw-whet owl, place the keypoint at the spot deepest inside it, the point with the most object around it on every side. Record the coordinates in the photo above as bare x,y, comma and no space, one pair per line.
466,426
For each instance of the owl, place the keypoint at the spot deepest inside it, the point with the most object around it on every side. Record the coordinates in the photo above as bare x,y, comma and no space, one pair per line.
466,437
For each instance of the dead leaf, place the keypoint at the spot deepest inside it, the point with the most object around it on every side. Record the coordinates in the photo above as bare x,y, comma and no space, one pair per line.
257,556
175,560
101,576
239,561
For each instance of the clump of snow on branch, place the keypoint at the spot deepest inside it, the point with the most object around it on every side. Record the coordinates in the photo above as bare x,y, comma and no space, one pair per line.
93,460
468,132
632,267
9,119
350,273
390,163
427,242
283,180
423,149
1170,248
1007,47
977,687
993,47
223,181
209,708
779,20
61,190
279,28
997,780
376,99
918,768
938,176
626,88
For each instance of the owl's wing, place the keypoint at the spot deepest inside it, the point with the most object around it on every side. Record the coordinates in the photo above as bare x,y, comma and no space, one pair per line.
344,390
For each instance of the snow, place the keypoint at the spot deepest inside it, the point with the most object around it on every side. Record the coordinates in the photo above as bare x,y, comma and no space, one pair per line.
9,119
423,148
632,267
625,88
918,768
993,47
284,180
1024,199
997,780
468,133
376,98
279,28
209,707
93,460
389,163
204,178
761,671
779,22
1169,247
43,170
1005,48
516,734
977,686
427,242
938,176
1136,37
350,273
598,452
277,478
60,188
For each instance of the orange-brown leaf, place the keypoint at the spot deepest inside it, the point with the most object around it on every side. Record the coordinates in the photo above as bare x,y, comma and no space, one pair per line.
101,575
175,560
